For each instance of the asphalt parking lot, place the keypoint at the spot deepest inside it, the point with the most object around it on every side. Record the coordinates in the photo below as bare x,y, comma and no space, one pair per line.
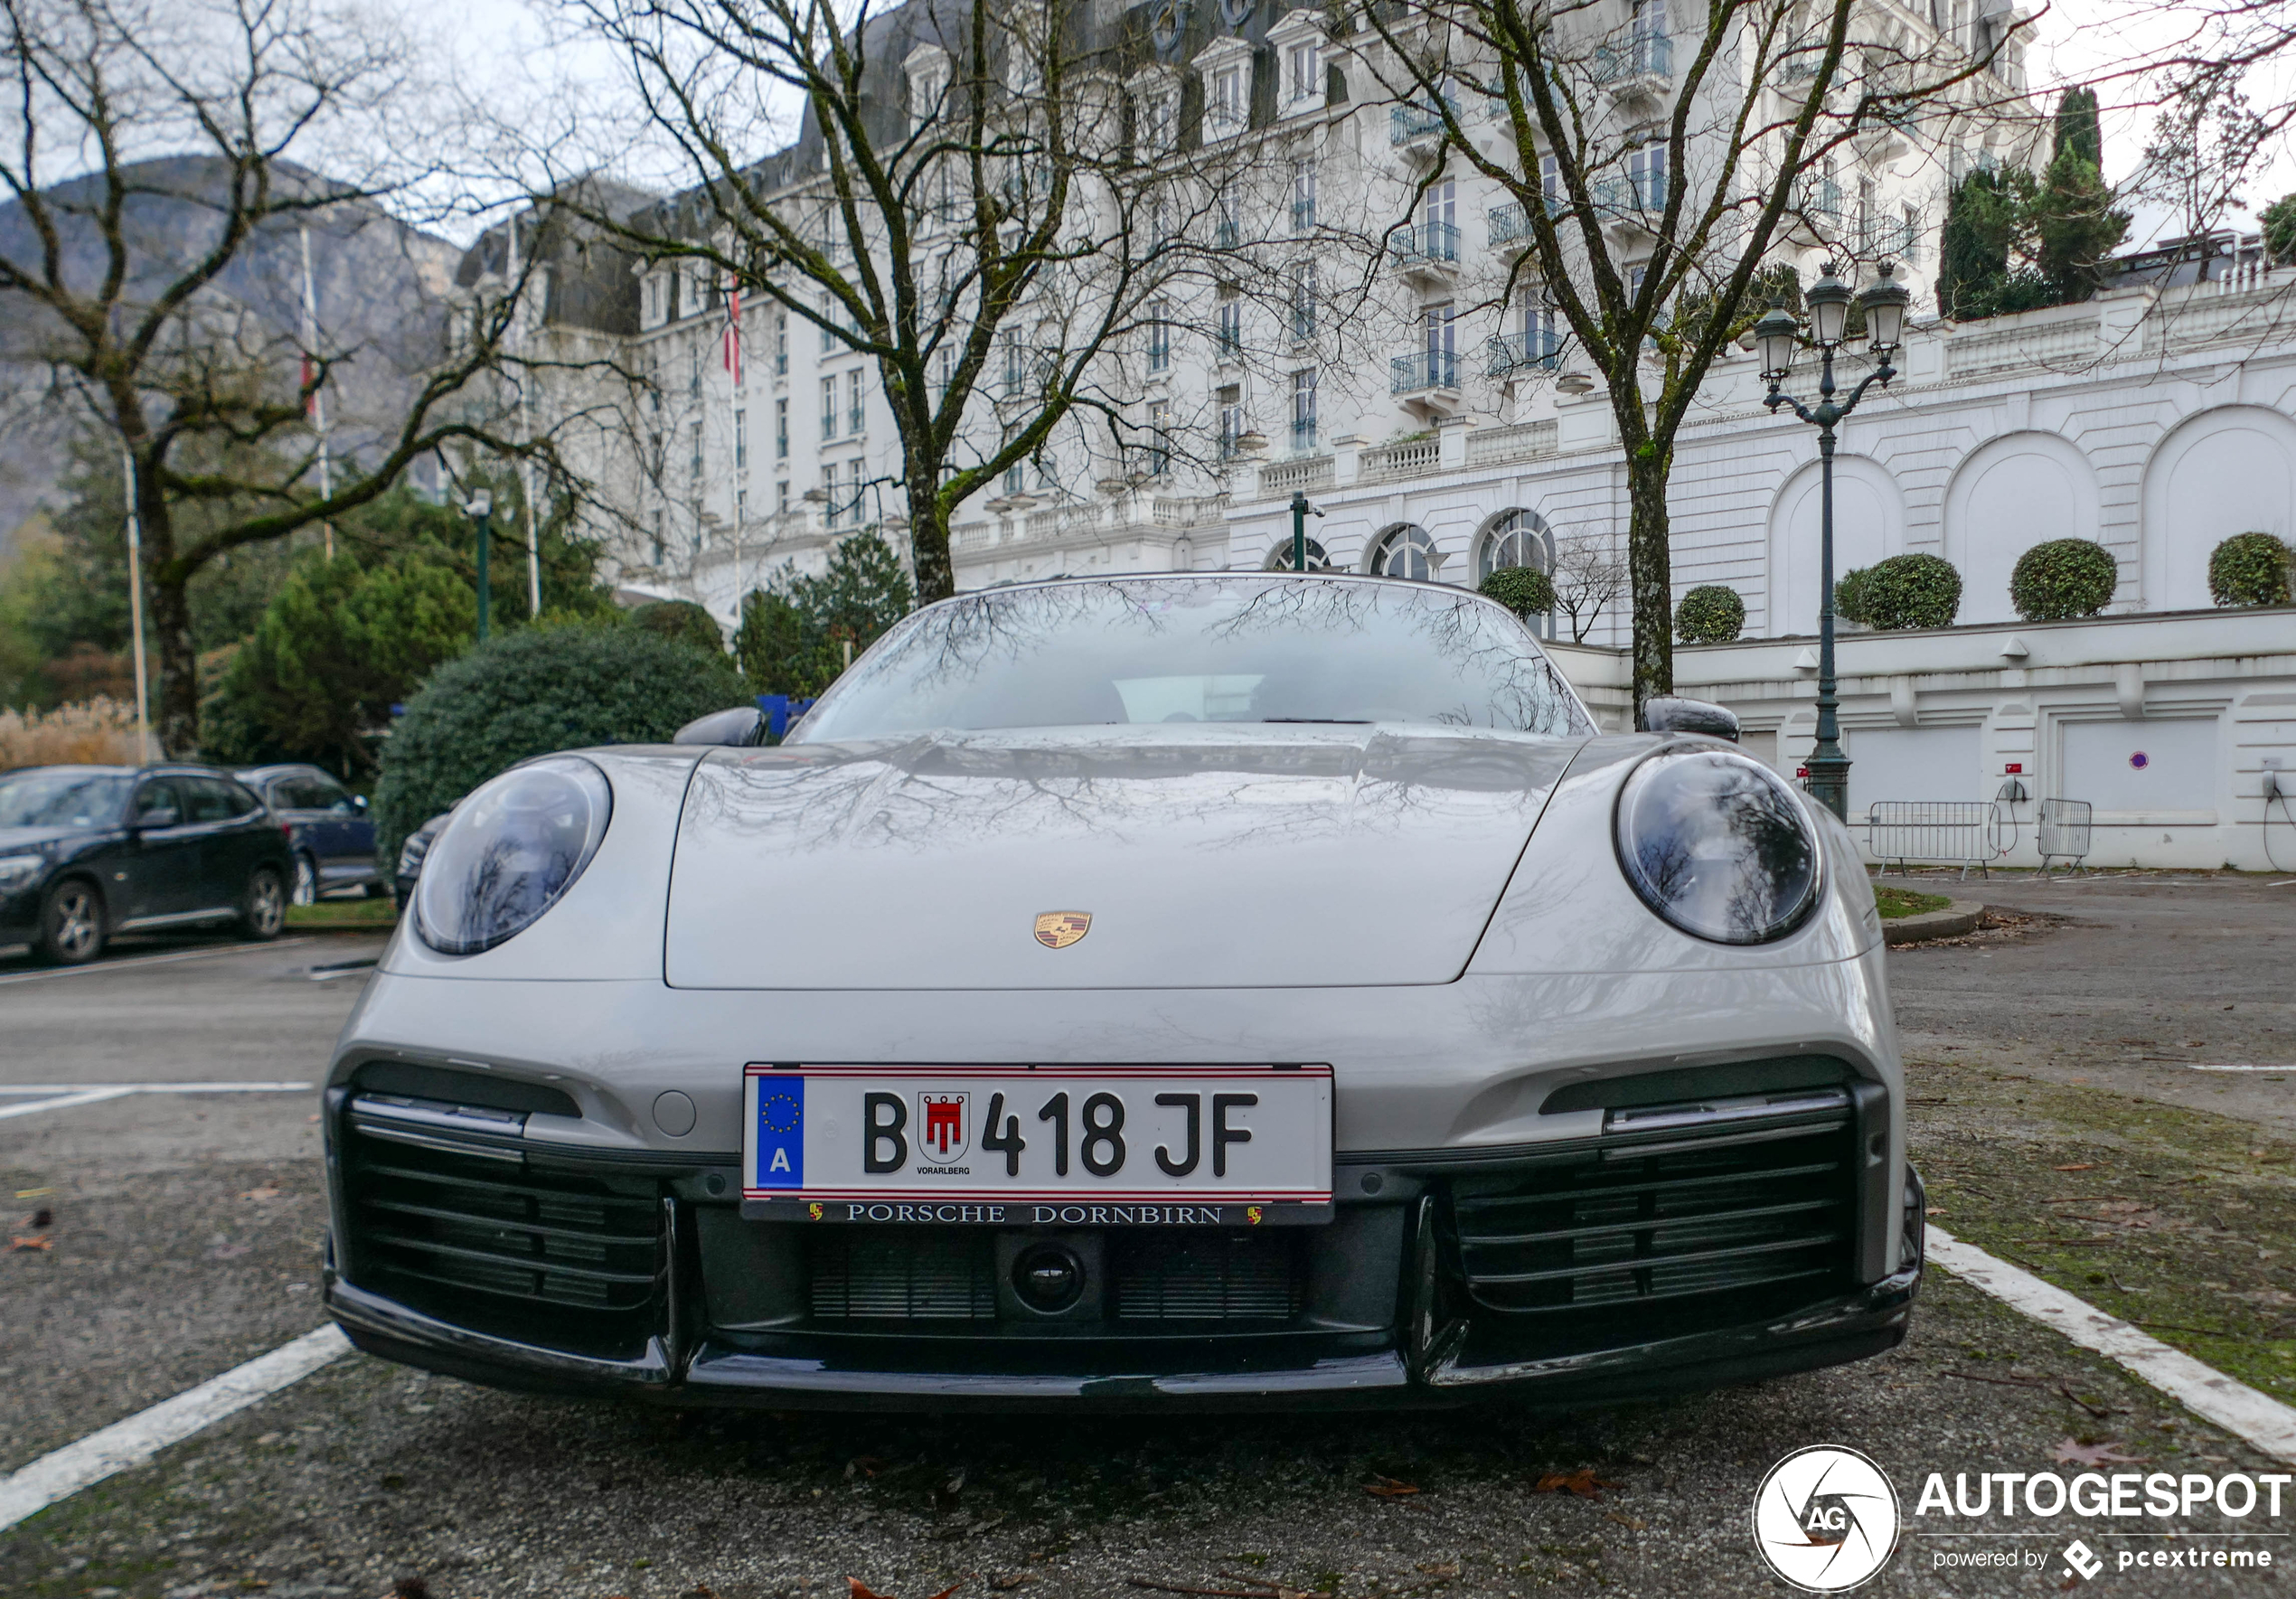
2055,1093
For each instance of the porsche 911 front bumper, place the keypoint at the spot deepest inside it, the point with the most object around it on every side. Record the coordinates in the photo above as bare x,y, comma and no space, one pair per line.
1680,1250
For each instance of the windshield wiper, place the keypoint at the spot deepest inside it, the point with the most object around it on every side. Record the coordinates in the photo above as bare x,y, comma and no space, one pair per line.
1339,721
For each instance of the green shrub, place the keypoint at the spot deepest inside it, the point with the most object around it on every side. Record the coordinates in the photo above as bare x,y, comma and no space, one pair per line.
1525,590
1904,591
2063,578
682,622
526,693
1709,614
2249,569
796,629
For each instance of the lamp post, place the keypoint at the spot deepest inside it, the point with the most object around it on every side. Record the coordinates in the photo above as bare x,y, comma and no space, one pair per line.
1776,336
481,509
1300,508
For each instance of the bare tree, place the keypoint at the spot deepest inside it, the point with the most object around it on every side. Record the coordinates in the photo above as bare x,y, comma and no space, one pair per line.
1589,575
1658,178
133,320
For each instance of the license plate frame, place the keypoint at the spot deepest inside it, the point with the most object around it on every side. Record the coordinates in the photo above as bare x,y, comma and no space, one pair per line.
1227,1145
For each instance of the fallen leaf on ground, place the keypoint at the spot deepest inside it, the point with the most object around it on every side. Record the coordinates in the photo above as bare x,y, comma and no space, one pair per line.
861,1590
1010,1581
700,1591
868,1464
952,1588
32,1193
1635,1522
1389,1488
28,1245
226,1251
260,1193
1936,1210
2080,1166
2073,1454
1582,1482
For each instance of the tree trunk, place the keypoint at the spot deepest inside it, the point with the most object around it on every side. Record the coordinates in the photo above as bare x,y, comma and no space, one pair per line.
928,536
1650,567
178,718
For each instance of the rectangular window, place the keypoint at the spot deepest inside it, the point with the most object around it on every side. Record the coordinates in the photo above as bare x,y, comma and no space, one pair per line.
1303,411
1542,334
1869,216
1157,118
740,440
1440,326
1303,73
781,343
1231,418
1550,183
694,452
1303,300
1159,337
1228,218
693,373
1304,196
657,537
740,505
1646,175
1442,205
1013,364
828,316
1159,436
781,498
856,417
1230,322
828,409
944,369
1016,477
1228,99
781,430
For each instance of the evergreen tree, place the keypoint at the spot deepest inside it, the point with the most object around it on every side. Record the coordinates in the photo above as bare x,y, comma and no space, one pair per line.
2078,127
794,632
1972,260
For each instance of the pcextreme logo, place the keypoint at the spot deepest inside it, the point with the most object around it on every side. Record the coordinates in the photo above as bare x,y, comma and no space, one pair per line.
1825,1519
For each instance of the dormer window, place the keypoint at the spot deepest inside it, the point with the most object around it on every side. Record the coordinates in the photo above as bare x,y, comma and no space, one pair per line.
1303,75
1230,87
1158,123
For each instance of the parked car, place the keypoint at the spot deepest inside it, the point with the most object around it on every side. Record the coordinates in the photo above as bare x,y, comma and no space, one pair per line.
88,851
411,856
333,836
1187,991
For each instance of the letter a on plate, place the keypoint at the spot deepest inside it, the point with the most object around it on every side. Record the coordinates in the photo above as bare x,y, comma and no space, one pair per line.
1058,929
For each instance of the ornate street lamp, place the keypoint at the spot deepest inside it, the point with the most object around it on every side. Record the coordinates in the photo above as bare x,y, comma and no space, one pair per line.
1776,336
481,510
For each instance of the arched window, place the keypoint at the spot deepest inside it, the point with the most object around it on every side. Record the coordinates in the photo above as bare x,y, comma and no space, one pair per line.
1279,559
1517,539
1405,551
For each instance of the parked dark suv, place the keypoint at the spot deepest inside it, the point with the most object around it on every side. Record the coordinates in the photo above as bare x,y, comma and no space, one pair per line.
88,851
328,828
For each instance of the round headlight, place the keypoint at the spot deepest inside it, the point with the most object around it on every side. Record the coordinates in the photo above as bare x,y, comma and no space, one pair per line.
1715,843
513,849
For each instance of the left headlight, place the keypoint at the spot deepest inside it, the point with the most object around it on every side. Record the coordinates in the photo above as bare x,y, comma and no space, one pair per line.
19,869
511,850
1715,843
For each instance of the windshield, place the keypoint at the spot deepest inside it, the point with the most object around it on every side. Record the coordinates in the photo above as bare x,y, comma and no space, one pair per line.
1240,649
62,799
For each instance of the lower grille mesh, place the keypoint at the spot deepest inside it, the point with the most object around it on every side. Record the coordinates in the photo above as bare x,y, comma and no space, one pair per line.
467,1239
1205,1277
1728,1215
909,1274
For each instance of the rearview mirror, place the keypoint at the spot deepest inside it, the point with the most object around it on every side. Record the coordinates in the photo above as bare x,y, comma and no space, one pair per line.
1666,713
744,724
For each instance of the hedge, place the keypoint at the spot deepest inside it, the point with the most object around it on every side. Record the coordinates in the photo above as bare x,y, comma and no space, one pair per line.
1525,590
2061,578
526,693
1903,591
682,622
2249,570
1709,614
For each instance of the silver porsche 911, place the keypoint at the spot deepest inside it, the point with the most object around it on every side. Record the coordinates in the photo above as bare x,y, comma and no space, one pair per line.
1189,991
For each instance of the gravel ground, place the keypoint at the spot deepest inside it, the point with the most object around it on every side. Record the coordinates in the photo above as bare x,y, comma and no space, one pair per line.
367,1473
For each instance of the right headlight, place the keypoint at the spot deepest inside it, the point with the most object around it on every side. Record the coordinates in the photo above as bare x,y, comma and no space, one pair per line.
1717,843
510,852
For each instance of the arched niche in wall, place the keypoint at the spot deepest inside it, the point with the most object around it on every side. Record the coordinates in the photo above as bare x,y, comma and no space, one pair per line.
1869,525
2008,495
2228,470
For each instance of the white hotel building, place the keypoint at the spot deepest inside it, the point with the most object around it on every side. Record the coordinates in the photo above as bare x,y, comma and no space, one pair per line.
1443,437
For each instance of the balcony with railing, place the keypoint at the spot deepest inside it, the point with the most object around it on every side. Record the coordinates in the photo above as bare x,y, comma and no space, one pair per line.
1428,249
1644,64
1422,371
1891,239
1418,122
1629,196
1507,355
1510,223
1308,474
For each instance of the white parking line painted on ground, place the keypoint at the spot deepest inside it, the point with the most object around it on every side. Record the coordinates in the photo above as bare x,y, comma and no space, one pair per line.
2194,1066
64,1101
146,960
131,1443
64,1096
2238,1409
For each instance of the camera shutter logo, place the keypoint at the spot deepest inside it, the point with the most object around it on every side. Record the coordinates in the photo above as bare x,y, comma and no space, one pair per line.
1825,1519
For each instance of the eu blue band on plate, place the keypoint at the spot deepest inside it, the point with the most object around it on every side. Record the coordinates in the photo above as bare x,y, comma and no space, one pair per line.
781,1131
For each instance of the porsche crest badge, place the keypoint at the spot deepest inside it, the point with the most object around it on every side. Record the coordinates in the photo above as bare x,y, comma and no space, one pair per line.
1058,929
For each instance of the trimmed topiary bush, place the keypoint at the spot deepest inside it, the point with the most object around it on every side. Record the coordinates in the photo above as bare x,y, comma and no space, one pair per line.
1525,590
1904,591
526,693
2249,569
1709,614
2062,578
682,621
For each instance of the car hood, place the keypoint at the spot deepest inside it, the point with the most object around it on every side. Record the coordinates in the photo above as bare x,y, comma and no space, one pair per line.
1208,857
18,841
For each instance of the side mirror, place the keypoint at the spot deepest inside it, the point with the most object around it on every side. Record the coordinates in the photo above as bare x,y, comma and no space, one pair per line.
1667,714
158,816
744,724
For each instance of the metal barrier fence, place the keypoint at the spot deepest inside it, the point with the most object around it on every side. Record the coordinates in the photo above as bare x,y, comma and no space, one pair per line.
1966,833
2061,832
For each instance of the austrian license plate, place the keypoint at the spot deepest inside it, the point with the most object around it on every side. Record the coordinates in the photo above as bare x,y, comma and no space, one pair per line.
1038,1146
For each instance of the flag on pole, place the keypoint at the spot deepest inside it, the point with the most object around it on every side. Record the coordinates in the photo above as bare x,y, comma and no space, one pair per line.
733,328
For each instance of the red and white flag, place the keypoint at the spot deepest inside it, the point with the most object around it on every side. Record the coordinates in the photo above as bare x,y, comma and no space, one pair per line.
733,329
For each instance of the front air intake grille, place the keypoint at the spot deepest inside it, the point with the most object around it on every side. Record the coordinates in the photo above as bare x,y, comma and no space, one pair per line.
1206,1277
902,1273
1680,1232
564,1261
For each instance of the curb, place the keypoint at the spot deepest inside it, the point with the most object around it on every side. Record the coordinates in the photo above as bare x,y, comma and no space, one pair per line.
1958,916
